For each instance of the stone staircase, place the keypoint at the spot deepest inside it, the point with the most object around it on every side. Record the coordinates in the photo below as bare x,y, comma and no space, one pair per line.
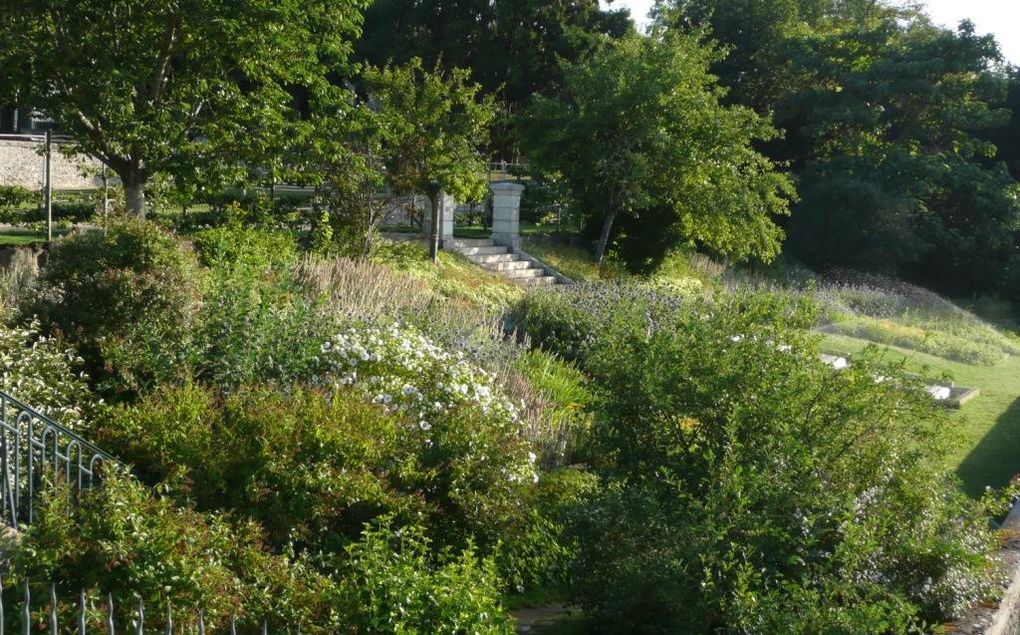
516,266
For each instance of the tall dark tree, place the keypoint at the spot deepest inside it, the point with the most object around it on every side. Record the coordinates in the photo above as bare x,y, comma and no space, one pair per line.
514,48
896,178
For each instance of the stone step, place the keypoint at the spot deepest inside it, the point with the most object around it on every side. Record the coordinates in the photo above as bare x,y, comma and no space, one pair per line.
524,273
482,251
539,280
488,259
472,242
507,266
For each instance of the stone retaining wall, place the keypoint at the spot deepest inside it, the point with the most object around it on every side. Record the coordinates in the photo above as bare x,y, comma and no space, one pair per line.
21,163
1003,618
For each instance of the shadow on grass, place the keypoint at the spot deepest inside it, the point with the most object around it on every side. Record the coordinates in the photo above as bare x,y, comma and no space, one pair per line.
995,460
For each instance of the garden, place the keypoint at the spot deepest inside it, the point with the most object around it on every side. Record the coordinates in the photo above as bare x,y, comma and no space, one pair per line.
355,446
307,422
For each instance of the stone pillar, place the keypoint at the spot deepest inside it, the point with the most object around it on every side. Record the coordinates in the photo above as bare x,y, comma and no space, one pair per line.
506,213
447,206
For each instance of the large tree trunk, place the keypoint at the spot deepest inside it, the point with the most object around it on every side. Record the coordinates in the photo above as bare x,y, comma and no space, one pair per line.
607,228
134,199
434,231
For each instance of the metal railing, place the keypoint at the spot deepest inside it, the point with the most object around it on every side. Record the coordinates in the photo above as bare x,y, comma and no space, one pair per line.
36,451
103,613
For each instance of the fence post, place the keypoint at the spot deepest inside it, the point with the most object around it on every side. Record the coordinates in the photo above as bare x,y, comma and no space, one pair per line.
53,609
26,611
109,614
140,624
81,614
49,188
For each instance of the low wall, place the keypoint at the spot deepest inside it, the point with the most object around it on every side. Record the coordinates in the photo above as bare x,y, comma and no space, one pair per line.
1004,618
21,163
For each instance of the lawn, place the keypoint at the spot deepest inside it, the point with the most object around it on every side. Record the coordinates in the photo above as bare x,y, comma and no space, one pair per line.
24,236
989,449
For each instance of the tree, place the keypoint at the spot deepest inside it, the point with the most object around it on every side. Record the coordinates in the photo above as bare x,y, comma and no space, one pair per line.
433,124
640,128
895,177
512,47
148,87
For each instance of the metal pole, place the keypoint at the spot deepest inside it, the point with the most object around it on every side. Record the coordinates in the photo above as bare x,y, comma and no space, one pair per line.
49,188
106,193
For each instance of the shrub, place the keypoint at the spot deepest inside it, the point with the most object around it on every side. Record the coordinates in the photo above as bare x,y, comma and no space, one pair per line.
748,485
313,467
122,539
100,286
255,325
407,372
37,371
237,245
398,586
309,468
555,412
566,321
13,198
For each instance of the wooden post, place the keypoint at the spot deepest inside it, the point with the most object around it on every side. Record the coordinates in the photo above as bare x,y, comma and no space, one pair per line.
49,188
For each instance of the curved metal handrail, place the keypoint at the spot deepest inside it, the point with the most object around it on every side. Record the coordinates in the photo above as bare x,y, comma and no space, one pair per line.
35,449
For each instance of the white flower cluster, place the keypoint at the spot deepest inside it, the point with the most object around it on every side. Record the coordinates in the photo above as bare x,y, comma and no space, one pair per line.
408,372
37,372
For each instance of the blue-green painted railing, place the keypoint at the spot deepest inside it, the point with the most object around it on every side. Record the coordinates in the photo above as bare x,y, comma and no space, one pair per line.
34,451
91,613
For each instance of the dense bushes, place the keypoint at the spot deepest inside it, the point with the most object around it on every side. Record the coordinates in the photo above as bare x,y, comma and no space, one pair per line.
39,372
746,486
312,467
123,539
100,287
398,588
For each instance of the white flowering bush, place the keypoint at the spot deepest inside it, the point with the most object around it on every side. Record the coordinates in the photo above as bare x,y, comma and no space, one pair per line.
472,457
37,371
408,372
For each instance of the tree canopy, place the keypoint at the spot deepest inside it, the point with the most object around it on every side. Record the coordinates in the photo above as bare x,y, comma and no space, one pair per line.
641,131
891,125
512,47
433,124
147,87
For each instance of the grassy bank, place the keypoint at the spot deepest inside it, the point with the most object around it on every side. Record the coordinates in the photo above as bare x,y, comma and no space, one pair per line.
989,427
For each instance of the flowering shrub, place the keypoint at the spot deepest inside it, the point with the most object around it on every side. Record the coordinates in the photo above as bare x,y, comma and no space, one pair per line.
473,457
37,371
407,372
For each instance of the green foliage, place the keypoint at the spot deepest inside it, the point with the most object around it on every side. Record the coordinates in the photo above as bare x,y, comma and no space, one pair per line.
560,420
513,49
433,124
125,540
254,325
322,235
748,485
629,137
239,246
180,88
312,466
399,587
13,201
40,373
100,287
